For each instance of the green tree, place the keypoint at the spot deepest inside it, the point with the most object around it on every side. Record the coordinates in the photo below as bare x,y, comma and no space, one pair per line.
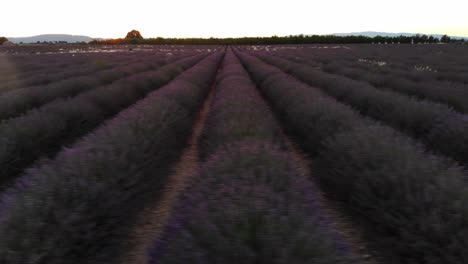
134,34
3,39
445,39
133,37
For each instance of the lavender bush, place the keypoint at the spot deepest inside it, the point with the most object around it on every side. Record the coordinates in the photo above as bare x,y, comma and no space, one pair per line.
18,101
453,95
78,207
238,112
418,118
43,130
414,202
249,204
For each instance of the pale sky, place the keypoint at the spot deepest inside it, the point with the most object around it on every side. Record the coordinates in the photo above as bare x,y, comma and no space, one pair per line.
219,18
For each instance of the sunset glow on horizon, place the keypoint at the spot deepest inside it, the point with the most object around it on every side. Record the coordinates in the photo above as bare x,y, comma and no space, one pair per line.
210,18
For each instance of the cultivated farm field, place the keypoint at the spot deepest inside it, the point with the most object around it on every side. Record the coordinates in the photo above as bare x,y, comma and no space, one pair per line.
234,154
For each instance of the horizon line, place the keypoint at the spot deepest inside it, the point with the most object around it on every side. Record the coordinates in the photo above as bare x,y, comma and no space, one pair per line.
263,36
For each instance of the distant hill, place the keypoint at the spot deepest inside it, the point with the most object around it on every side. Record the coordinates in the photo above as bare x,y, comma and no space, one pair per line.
53,38
387,34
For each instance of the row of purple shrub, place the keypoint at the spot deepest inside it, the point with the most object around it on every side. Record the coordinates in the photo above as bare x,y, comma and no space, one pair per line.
20,71
26,65
410,77
61,67
413,71
42,131
414,203
79,206
248,203
19,101
47,68
452,94
237,112
438,126
446,62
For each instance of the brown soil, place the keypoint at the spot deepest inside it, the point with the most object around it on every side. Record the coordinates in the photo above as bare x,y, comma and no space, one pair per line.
352,232
154,217
349,231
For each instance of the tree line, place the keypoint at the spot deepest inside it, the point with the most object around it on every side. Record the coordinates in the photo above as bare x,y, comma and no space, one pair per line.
134,37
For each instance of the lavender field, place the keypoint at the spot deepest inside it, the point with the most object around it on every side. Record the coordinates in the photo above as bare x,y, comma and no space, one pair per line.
280,154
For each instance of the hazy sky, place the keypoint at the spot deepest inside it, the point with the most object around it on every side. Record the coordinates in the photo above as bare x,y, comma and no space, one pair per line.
219,18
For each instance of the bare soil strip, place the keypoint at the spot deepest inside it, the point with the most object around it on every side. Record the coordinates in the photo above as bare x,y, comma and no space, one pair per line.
154,217
350,232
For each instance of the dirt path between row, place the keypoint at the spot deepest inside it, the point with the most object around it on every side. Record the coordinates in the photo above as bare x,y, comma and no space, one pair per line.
154,218
351,233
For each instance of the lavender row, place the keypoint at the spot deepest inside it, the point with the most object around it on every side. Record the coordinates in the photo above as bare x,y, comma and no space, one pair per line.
19,101
385,76
238,112
26,65
77,49
46,68
42,131
54,67
407,79
413,202
49,69
416,62
78,207
70,69
438,126
454,95
248,203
